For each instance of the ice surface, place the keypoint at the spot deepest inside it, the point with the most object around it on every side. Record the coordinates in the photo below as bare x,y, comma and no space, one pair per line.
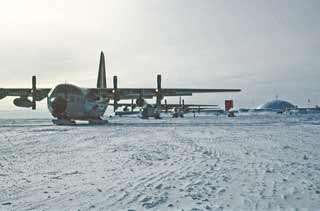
260,162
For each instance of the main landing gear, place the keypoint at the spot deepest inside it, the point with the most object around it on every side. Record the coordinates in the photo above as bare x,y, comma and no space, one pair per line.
97,122
63,122
68,122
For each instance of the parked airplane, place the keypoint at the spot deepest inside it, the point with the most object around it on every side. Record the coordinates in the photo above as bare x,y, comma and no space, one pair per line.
154,110
68,102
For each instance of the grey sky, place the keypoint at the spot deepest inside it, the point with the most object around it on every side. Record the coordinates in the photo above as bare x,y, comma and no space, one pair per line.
263,47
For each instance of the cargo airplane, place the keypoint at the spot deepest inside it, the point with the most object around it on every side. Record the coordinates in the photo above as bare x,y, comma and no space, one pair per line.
154,110
68,102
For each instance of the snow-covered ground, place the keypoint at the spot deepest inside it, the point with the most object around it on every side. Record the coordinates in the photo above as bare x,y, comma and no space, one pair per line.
251,162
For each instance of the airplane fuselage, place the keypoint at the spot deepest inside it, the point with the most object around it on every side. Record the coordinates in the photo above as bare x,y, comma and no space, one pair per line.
67,101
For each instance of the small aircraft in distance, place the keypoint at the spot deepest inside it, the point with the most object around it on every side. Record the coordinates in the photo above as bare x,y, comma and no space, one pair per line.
154,110
68,102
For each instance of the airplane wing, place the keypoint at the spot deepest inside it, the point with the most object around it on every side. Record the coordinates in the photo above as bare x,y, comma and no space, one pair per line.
112,93
148,93
120,94
170,105
24,92
190,105
186,92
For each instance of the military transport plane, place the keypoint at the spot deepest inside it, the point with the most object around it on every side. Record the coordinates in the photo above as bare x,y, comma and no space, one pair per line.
68,102
154,110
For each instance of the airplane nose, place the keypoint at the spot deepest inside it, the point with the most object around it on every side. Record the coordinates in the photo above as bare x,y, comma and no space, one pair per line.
59,106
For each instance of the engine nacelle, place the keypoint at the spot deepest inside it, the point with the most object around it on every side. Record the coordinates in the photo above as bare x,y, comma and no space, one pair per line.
23,102
140,102
39,95
2,94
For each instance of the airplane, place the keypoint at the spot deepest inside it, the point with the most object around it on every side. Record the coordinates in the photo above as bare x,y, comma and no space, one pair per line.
153,110
68,102
178,110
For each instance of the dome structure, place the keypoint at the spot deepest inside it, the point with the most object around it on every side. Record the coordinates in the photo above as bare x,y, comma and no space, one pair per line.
276,105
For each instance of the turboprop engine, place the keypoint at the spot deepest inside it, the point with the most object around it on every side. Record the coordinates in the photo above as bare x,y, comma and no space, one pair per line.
23,102
2,96
140,102
149,110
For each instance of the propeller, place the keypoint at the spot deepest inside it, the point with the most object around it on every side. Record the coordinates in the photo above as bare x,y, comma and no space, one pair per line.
140,101
132,105
34,92
182,105
115,93
159,95
166,105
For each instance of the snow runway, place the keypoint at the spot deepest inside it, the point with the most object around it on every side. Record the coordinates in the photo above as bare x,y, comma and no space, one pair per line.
207,163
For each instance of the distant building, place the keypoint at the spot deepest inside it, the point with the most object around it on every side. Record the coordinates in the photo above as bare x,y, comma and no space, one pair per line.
276,105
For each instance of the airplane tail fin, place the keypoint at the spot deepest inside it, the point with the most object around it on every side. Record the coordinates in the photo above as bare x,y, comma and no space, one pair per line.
102,81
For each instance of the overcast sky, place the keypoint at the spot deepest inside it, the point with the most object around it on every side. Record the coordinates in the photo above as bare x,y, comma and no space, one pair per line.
266,48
